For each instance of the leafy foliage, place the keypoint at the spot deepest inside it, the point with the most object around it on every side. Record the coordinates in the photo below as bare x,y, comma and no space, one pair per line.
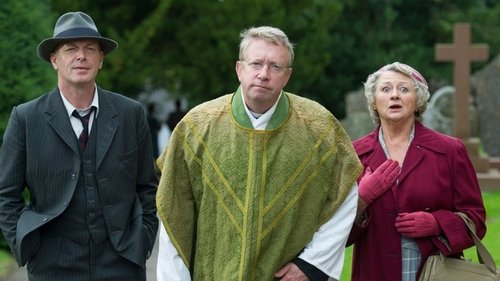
190,47
24,75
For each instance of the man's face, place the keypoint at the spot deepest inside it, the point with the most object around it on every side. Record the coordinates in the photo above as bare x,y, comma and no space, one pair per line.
77,62
263,73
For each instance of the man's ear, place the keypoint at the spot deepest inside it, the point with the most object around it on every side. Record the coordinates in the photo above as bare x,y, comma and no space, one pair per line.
53,60
238,67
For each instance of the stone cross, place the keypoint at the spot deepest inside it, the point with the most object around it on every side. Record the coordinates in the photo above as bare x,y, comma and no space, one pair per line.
461,53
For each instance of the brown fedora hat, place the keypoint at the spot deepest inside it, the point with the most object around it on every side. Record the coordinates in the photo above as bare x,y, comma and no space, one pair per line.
74,26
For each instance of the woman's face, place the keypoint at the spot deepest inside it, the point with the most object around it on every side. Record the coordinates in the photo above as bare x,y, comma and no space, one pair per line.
395,97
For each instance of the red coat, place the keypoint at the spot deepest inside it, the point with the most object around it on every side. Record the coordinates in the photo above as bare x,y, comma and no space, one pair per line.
437,176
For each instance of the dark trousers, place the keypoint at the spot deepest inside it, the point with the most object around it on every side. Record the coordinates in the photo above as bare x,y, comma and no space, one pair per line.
61,259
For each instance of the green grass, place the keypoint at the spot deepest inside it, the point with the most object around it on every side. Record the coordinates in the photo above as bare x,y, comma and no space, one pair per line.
490,241
6,261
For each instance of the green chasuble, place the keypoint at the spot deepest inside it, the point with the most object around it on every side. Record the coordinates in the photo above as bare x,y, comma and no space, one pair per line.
239,203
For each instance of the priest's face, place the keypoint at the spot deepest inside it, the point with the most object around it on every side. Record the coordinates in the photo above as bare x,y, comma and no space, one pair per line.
263,74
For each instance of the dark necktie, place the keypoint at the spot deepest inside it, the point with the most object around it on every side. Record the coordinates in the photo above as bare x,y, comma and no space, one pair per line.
84,136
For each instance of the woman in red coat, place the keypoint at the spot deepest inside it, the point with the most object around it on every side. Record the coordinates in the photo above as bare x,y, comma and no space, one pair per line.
414,181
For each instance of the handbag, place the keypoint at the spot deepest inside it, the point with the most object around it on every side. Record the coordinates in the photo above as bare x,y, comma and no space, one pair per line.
439,267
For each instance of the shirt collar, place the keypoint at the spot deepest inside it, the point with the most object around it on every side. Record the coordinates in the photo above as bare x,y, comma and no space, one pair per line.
384,146
70,108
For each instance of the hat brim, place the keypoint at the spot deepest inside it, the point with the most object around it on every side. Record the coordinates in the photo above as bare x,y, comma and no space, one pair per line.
47,46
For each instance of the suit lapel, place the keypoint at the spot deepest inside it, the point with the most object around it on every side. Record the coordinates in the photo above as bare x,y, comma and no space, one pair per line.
106,126
58,120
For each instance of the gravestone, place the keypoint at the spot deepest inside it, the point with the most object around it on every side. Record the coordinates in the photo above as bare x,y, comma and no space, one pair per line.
487,85
461,53
439,115
357,122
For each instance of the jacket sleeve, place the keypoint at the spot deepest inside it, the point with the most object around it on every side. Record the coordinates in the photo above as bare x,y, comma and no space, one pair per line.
467,198
12,177
325,251
170,266
147,180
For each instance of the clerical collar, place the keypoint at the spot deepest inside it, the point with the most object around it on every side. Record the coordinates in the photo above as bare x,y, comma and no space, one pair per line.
260,120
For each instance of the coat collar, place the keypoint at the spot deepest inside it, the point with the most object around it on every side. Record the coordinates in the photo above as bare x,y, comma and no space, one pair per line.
369,149
106,124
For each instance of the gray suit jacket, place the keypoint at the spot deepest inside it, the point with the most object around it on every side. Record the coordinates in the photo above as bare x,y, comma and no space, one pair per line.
40,152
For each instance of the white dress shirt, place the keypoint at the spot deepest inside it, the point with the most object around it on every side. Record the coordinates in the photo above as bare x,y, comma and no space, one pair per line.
75,122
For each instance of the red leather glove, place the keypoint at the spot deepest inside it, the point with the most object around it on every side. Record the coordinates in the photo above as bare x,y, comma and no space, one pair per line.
417,224
372,185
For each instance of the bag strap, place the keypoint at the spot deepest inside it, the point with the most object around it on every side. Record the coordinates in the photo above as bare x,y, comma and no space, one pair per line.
482,253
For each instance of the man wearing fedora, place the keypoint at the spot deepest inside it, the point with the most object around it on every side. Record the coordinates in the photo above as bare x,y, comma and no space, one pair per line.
85,156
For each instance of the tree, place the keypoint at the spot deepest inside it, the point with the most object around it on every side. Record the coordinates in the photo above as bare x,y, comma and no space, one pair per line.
190,47
24,75
134,25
